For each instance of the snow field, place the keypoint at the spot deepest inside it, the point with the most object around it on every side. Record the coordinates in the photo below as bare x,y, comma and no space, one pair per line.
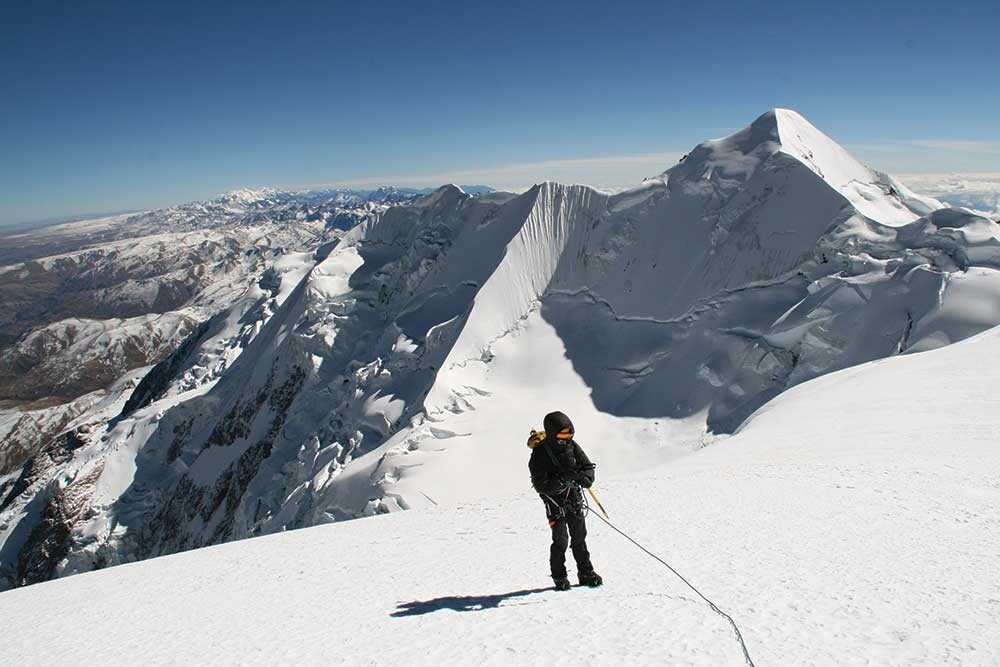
852,521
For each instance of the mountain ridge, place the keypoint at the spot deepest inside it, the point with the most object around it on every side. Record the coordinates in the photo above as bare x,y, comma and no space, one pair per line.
375,372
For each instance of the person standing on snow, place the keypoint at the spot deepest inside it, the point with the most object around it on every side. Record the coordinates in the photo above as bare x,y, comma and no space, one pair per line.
559,468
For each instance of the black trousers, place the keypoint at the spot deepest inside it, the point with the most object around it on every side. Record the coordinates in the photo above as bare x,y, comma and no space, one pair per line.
575,524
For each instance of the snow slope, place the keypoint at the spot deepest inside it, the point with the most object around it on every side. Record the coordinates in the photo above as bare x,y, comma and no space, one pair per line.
392,369
851,522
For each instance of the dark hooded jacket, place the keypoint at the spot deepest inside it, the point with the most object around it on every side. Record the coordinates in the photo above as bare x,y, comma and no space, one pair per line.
552,464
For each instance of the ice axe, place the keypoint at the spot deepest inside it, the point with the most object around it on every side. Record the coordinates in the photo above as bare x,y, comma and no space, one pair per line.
594,496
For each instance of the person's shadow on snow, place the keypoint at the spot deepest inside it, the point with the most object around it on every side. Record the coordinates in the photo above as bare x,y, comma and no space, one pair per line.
460,602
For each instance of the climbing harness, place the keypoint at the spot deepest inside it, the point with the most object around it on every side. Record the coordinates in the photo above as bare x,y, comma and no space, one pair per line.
739,635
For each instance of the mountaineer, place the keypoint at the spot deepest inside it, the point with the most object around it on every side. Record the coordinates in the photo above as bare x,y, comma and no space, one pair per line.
559,470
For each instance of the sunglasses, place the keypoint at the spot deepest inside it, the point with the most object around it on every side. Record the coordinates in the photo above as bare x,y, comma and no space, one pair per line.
564,435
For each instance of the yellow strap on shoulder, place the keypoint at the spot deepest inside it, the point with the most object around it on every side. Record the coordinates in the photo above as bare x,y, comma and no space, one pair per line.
535,438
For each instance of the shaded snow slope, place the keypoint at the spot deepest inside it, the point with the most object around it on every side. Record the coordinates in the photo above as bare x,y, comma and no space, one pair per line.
831,541
402,366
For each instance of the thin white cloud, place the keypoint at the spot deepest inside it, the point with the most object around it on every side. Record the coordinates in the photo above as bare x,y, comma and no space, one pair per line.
621,171
959,146
614,170
980,181
930,155
977,191
950,145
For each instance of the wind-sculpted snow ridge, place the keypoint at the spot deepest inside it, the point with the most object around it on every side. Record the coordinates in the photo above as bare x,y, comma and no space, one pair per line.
402,366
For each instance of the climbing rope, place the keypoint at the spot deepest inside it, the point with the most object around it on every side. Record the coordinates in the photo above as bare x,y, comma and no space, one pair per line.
739,635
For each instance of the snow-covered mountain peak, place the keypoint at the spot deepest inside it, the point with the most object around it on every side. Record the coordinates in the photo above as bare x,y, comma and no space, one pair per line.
445,193
247,196
730,161
872,193
723,167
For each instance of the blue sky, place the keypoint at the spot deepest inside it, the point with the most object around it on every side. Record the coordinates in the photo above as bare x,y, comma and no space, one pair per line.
125,106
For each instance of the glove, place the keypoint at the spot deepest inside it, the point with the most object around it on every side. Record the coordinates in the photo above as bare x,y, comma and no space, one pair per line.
571,480
583,480
561,487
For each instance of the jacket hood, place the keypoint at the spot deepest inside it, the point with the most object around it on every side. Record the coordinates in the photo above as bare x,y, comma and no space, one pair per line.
555,422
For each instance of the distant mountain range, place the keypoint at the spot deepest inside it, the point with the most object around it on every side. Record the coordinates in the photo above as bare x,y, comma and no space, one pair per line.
382,193
85,303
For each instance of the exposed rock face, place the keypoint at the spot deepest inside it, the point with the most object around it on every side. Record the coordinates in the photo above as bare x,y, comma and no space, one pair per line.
159,378
70,358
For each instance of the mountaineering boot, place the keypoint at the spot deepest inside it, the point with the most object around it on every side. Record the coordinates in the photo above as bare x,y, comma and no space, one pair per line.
591,579
562,584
